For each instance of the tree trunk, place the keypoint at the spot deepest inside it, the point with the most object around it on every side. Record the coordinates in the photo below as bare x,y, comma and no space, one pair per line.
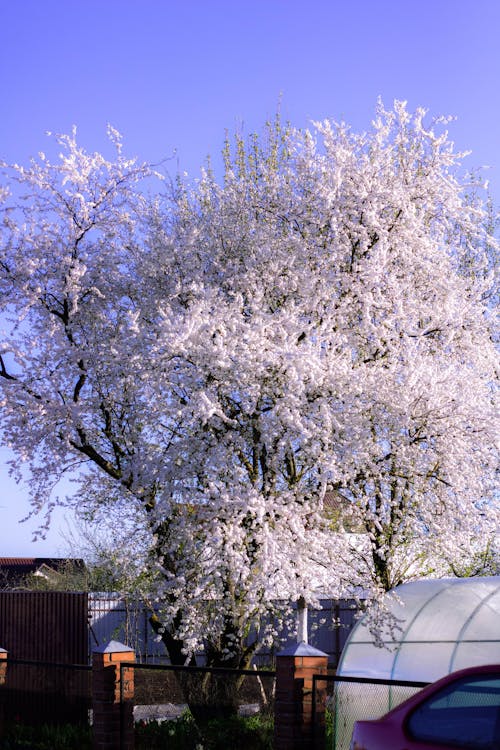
208,695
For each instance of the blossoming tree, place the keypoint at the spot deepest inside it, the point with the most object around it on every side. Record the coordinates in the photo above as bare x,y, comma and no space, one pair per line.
225,355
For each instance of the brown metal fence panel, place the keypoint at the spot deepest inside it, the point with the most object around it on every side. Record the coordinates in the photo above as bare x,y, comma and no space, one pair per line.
43,693
46,626
50,628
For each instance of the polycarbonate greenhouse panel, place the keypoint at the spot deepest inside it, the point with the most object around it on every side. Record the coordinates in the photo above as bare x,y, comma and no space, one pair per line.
424,661
483,622
444,625
473,654
361,660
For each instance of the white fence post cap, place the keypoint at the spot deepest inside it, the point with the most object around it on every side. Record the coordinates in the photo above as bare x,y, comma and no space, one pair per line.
301,649
113,647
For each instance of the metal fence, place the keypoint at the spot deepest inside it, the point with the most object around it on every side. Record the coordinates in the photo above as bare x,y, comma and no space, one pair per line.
115,617
49,693
45,635
36,692
167,692
49,626
164,691
351,699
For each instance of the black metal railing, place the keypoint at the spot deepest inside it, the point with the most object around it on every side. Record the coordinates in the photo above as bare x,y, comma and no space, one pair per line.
209,695
351,699
43,692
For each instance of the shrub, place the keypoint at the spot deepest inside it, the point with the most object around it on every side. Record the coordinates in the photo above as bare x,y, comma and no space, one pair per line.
252,733
46,737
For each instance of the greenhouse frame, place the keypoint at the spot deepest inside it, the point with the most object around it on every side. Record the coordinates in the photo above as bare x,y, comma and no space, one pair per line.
431,628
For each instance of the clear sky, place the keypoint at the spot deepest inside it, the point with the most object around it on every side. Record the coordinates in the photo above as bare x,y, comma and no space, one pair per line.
173,75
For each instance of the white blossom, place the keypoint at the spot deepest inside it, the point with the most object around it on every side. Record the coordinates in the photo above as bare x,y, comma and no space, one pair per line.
232,356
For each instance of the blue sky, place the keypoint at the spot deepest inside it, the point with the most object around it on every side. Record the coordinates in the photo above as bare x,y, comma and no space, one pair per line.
173,75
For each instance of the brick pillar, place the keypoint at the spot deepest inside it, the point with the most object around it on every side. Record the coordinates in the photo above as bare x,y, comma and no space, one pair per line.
113,703
3,665
3,677
293,726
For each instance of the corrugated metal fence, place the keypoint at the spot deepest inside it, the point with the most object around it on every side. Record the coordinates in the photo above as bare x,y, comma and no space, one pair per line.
63,628
113,617
50,635
118,618
46,626
45,634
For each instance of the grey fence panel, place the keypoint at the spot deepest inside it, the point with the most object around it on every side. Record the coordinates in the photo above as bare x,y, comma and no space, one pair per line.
329,627
113,617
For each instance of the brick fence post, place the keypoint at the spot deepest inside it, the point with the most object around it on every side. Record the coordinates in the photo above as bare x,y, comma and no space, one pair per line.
112,702
293,719
3,665
3,677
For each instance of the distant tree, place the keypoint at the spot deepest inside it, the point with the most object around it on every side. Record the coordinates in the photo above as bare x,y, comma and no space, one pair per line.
5,584
43,574
222,356
115,544
70,575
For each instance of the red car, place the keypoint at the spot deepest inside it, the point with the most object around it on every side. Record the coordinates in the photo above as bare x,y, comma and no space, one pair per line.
461,710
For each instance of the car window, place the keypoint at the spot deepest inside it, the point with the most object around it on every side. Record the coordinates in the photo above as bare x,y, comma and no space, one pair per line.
465,714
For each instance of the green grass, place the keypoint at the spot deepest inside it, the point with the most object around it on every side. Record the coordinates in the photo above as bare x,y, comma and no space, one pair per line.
250,732
46,737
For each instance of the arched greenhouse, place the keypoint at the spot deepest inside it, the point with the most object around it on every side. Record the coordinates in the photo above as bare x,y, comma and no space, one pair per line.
442,625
